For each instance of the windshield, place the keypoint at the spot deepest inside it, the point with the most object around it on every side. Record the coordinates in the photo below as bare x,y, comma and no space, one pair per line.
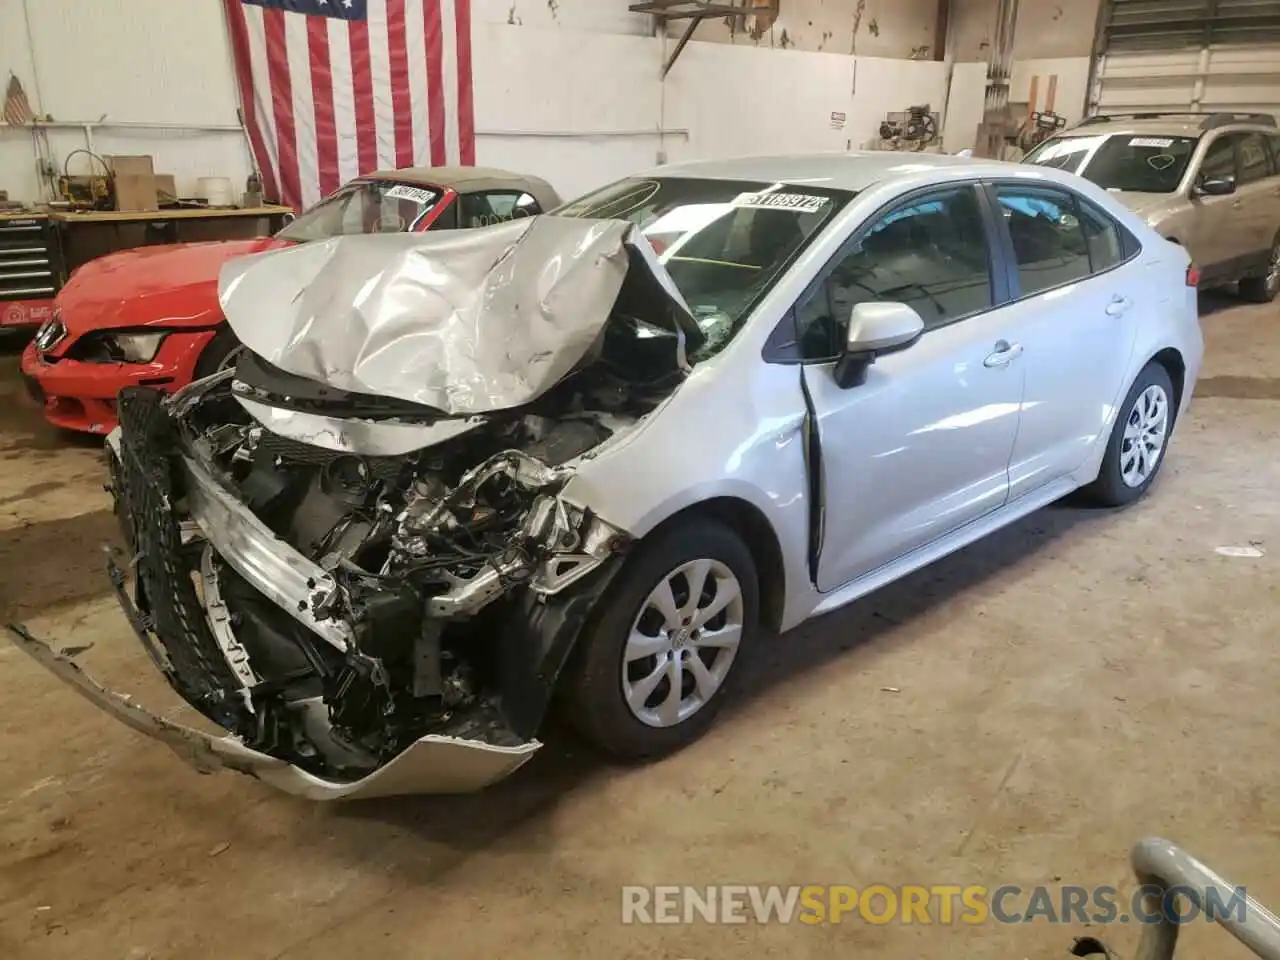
724,243
1120,161
364,206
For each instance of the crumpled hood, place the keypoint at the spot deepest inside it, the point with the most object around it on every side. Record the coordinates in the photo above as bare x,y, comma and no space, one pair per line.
174,285
463,321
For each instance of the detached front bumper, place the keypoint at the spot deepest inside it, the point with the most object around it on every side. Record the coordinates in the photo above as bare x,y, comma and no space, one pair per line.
431,765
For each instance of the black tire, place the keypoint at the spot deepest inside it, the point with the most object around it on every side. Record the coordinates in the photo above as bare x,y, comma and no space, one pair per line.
215,353
595,703
1263,289
1111,489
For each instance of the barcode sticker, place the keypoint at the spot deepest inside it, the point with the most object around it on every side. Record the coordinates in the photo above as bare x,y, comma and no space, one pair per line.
417,194
800,202
1160,142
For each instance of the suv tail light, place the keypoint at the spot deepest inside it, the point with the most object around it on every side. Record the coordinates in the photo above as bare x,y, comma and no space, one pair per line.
1193,276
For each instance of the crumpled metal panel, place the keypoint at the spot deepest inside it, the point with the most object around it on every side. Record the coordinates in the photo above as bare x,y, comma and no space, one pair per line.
464,321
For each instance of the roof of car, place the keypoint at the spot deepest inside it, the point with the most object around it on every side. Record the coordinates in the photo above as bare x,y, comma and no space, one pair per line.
839,171
461,179
1185,125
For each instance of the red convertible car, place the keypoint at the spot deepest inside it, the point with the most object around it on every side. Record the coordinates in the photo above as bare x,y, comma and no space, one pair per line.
150,316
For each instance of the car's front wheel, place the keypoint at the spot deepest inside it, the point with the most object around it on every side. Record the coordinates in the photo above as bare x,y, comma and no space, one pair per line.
220,354
659,658
1139,438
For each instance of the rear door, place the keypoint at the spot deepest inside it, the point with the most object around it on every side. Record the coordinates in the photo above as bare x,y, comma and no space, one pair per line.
1256,203
1078,290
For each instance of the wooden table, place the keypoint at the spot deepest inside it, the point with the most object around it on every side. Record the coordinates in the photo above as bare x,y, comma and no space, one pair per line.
92,233
177,213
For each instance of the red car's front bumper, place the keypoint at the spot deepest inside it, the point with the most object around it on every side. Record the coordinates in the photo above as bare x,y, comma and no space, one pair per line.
82,396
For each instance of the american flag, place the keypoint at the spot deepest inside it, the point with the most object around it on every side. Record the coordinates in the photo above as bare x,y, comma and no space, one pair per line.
332,89
17,109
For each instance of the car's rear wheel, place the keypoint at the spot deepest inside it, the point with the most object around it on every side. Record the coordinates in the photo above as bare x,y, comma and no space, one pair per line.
1139,439
1264,288
219,354
660,657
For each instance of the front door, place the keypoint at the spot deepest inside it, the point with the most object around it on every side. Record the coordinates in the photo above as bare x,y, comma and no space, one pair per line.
1077,309
922,447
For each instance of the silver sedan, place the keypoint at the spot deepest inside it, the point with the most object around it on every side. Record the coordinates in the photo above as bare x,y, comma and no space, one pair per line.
588,460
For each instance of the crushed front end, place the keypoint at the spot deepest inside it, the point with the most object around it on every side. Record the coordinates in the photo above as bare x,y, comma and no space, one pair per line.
370,593
359,625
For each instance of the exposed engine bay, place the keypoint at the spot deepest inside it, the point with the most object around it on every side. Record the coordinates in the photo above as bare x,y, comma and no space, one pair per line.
334,577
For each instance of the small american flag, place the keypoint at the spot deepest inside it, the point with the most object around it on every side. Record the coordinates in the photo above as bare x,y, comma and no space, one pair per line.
332,89
17,108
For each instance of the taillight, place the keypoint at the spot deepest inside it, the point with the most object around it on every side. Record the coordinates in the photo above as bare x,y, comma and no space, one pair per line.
1193,276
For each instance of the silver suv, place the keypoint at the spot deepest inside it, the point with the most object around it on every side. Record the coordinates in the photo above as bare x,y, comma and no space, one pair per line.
1210,182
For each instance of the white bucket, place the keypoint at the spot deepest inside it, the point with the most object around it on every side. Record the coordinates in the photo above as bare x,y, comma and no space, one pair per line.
216,191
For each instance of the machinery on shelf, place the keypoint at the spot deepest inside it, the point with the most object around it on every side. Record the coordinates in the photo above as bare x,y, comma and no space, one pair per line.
914,129
91,191
1038,127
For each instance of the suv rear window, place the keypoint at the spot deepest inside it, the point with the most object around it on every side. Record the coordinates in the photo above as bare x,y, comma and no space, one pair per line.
1140,163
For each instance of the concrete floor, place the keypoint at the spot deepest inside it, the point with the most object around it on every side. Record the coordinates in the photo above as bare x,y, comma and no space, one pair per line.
1063,689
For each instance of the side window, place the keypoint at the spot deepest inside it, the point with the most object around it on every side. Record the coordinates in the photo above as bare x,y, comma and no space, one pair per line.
1101,237
931,253
496,206
1048,241
1219,162
1254,162
1274,140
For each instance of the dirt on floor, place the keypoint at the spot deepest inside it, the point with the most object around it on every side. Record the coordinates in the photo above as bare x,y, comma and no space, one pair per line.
1019,714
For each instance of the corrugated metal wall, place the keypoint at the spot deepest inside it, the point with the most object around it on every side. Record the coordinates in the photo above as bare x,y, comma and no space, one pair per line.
1201,55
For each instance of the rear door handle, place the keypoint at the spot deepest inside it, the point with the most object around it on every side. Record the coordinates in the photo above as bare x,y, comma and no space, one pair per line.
1005,353
1118,306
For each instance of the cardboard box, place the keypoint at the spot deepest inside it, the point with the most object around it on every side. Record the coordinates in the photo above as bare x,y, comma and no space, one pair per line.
136,192
141,166
166,189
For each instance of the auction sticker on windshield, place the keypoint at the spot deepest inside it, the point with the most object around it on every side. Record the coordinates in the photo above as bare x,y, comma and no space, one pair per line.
1160,142
417,194
800,202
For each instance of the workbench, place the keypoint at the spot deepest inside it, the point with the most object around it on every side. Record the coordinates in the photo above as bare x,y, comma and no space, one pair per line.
40,249
89,234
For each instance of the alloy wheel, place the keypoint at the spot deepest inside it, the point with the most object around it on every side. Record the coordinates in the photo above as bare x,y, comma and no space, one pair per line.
1145,432
682,643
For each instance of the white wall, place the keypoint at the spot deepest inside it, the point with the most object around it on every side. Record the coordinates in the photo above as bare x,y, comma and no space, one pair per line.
569,89
896,29
128,61
1046,29
1051,38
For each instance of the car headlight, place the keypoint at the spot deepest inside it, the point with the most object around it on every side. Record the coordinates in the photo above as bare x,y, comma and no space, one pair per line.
136,347
51,333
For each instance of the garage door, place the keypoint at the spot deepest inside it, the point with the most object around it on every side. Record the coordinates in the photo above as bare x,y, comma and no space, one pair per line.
1200,55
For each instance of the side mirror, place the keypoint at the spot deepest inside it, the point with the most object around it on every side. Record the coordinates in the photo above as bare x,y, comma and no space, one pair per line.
1219,187
875,329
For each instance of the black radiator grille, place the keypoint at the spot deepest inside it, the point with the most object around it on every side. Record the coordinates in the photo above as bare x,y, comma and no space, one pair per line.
145,485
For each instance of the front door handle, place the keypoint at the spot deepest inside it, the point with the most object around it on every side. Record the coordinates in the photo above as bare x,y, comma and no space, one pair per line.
1005,353
1118,306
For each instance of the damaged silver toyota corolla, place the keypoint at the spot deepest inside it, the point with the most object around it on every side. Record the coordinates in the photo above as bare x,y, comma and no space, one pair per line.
581,458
